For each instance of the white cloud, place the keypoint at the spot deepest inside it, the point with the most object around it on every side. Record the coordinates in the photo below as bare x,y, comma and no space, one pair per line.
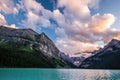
2,20
34,21
30,5
4,23
12,26
36,15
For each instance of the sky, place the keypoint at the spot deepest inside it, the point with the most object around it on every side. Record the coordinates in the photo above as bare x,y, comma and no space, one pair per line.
73,25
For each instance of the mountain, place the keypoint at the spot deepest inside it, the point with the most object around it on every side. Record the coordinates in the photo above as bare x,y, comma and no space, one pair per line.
104,58
67,59
26,48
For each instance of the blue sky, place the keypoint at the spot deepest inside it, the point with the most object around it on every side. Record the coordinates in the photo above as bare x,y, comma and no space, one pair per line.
113,7
73,25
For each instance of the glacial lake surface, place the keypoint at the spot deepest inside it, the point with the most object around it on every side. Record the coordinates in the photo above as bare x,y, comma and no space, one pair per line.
57,74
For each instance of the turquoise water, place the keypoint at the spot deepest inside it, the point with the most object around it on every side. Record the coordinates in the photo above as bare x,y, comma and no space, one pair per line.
58,74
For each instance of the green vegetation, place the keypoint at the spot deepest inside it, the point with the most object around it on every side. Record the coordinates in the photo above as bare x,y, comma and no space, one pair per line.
16,46
59,62
17,55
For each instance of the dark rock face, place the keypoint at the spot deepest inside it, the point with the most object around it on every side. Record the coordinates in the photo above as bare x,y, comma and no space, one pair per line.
28,35
105,58
18,41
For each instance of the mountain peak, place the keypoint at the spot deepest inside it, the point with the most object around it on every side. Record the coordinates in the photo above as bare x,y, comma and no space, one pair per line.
103,57
44,36
22,35
49,44
38,49
43,33
113,42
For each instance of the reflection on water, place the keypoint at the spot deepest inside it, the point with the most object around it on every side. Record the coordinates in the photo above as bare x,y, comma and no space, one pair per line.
97,74
58,74
85,74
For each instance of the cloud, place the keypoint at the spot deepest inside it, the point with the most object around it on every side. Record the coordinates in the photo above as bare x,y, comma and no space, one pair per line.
2,20
34,21
7,6
79,30
76,28
36,15
77,8
12,26
71,46
30,5
4,23
111,34
100,24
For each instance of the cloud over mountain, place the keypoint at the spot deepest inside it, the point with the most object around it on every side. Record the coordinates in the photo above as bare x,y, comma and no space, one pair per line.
76,28
79,30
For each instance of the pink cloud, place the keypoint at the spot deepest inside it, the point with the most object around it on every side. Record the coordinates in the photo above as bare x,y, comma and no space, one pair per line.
81,31
7,6
100,24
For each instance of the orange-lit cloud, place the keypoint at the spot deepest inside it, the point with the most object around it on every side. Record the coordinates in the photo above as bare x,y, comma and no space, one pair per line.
71,46
79,30
100,24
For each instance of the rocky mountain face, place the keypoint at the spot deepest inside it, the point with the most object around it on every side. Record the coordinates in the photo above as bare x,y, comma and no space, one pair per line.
104,58
68,59
15,42
47,45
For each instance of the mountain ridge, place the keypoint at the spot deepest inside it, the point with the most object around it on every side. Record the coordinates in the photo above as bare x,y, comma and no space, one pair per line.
27,48
104,58
19,41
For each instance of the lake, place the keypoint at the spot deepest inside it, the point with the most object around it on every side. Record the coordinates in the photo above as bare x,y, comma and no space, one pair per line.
57,74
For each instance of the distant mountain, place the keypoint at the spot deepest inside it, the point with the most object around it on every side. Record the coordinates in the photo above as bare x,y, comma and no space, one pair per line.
76,59
104,58
68,59
26,48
